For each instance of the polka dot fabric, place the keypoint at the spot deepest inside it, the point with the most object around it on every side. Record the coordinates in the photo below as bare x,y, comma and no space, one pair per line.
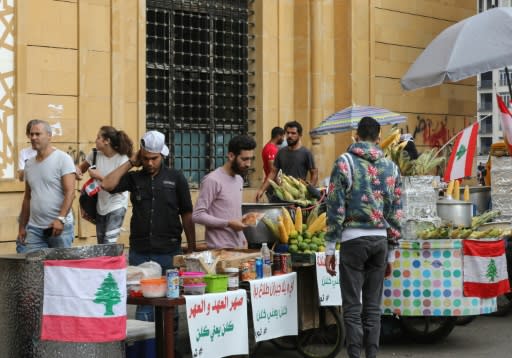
426,280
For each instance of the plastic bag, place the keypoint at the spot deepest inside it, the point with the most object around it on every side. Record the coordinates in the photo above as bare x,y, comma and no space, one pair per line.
252,218
148,269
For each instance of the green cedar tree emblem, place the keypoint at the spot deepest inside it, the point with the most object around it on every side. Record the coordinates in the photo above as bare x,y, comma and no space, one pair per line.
108,294
461,151
492,271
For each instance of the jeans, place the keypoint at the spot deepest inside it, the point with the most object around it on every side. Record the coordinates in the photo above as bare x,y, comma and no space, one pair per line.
20,248
108,227
362,267
36,239
146,313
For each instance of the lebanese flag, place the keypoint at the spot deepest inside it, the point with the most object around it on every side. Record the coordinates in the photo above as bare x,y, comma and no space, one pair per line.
485,268
506,123
461,160
84,300
91,187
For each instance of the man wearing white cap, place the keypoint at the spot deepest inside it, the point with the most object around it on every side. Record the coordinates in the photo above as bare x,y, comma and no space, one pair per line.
160,196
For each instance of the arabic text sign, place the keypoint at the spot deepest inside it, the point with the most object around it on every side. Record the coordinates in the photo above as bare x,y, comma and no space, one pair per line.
274,306
329,291
217,324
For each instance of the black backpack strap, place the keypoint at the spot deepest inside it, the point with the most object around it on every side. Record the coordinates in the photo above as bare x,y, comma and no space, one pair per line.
94,154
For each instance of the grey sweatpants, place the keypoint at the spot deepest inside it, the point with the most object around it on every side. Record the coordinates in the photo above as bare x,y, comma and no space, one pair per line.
362,267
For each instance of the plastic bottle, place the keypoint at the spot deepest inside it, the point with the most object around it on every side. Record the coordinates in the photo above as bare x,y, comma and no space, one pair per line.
267,263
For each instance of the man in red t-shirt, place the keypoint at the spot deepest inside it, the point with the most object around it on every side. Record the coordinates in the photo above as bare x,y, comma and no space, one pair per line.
268,154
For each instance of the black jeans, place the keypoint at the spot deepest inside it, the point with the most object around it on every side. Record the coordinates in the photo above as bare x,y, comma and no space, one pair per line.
362,267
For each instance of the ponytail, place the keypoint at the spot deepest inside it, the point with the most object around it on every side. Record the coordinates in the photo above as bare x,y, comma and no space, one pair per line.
119,140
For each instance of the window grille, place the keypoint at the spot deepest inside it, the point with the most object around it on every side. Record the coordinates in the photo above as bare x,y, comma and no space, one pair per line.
199,79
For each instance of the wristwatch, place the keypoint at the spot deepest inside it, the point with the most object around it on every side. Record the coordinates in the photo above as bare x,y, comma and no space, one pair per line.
62,219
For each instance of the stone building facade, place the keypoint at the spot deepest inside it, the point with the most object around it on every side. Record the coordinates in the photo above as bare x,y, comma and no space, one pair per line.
81,64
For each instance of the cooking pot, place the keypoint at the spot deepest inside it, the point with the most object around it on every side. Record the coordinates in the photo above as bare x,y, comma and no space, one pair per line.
457,212
260,233
480,196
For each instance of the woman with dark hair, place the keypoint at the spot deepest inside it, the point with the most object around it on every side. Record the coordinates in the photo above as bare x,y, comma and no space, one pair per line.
113,149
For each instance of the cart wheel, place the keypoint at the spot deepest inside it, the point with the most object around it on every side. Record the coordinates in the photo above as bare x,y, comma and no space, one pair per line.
504,303
286,343
326,339
427,329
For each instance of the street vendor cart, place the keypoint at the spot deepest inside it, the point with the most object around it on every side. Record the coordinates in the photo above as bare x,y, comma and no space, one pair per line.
426,289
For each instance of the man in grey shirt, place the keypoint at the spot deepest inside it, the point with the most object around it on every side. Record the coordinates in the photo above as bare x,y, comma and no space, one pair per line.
46,219
294,160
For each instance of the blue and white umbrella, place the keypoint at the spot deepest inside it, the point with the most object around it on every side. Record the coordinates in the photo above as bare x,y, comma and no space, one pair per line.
348,118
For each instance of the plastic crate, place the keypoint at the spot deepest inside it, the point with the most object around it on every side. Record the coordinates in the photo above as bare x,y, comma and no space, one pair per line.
303,258
216,283
140,339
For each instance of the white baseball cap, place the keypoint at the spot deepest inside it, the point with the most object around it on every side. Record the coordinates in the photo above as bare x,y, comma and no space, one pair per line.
154,142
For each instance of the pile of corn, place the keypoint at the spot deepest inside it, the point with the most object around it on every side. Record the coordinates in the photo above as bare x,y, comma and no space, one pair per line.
292,190
300,236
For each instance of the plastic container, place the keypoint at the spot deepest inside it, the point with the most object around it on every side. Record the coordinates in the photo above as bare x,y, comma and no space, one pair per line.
233,278
154,287
216,283
133,288
194,289
190,278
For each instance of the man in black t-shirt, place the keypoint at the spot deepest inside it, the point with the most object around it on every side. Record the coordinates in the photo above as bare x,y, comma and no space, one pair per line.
162,208
294,160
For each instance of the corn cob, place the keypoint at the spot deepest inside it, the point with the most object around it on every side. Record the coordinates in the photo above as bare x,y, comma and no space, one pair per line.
277,189
298,220
312,215
287,220
466,193
449,189
456,190
393,138
294,192
287,196
283,234
318,225
273,227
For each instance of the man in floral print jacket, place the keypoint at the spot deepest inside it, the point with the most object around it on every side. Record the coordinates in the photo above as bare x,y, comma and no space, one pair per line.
363,212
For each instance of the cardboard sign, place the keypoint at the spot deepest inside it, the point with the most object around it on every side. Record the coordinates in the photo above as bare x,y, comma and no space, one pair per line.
329,290
274,306
217,324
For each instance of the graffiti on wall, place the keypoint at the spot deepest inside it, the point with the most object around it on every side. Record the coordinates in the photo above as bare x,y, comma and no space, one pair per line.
77,156
7,154
432,133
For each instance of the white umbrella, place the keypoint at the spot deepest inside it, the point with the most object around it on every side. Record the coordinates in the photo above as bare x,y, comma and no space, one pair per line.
480,43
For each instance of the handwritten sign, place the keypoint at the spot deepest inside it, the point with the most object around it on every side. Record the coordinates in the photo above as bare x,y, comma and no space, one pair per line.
274,306
217,324
329,290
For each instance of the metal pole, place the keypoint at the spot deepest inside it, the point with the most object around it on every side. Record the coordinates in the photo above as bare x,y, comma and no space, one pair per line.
508,82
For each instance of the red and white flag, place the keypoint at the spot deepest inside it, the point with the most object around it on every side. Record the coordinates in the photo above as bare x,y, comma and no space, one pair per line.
461,160
485,268
506,123
91,187
84,300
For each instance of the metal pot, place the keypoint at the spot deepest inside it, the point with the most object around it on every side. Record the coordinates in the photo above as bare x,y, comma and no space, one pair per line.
480,197
457,212
260,233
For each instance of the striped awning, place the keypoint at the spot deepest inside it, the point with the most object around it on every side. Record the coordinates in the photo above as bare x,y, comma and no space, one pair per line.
348,118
